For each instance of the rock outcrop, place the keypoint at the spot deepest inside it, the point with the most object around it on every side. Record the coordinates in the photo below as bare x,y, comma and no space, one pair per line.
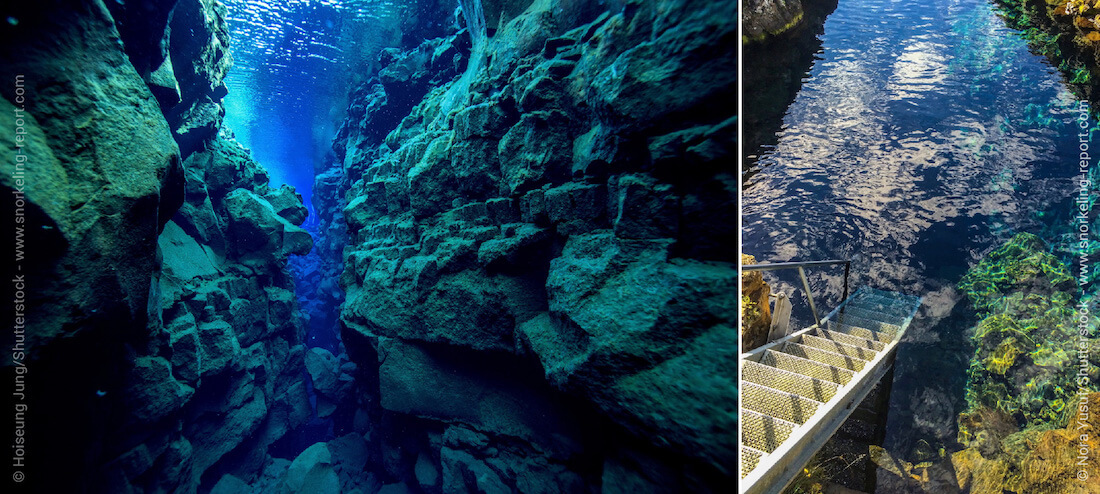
1064,31
541,244
765,18
756,312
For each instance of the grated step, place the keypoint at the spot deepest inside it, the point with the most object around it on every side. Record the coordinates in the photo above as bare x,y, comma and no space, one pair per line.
864,333
791,382
802,376
853,318
835,359
887,300
893,311
750,457
848,339
779,404
837,347
871,315
764,433
909,299
806,367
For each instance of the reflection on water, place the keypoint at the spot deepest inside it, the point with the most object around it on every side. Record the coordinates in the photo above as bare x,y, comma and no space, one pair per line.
925,136
909,146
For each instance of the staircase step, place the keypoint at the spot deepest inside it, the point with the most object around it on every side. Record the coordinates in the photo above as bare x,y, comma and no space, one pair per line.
822,376
749,458
848,339
835,359
806,367
896,311
791,382
837,347
871,315
855,318
865,333
898,301
763,433
908,299
779,404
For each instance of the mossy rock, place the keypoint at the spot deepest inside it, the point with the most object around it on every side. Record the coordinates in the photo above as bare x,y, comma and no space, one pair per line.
1021,264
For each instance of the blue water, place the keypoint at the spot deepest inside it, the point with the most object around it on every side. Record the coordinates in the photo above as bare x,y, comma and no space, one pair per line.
293,65
924,136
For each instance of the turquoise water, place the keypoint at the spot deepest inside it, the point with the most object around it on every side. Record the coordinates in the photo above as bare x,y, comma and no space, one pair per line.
925,135
293,64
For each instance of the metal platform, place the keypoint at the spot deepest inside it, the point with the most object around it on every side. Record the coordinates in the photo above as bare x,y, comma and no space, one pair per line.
797,390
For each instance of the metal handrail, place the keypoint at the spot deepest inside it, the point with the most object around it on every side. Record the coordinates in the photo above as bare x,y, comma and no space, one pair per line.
802,274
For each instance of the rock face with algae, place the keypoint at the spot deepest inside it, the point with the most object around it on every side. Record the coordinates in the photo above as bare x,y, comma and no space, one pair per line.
1065,31
549,234
756,316
161,319
1028,389
1024,358
1031,399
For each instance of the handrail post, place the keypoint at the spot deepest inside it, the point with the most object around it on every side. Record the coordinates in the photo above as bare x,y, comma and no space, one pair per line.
847,266
809,296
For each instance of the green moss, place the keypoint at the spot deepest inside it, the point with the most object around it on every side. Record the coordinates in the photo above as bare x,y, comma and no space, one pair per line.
1056,37
1011,266
1023,364
1081,75
795,22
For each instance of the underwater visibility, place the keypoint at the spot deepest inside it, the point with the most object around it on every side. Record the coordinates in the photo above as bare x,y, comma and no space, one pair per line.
941,159
373,246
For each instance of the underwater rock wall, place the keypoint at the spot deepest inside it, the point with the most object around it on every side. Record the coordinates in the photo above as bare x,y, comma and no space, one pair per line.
1067,32
540,280
232,331
1031,397
162,331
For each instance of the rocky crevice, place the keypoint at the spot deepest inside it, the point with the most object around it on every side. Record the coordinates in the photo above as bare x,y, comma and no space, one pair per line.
538,260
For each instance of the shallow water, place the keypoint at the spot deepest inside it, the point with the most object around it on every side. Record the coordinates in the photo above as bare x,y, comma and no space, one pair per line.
925,135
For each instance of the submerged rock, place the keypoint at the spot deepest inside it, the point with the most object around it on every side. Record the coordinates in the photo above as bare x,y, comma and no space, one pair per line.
1023,359
136,253
311,472
1028,410
1064,31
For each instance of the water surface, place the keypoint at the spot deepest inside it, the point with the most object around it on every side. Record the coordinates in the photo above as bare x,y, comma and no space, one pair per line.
925,135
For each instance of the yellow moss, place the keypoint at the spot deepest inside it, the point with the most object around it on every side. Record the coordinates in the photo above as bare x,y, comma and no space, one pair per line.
795,21
1003,357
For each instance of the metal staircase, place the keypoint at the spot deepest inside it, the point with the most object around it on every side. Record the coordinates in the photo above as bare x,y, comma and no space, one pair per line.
798,390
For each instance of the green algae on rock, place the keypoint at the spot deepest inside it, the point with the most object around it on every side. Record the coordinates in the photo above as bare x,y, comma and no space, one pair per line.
1064,31
1022,381
1022,264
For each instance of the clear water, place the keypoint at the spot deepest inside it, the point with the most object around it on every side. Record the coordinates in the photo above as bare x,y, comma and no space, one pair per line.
925,135
293,64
